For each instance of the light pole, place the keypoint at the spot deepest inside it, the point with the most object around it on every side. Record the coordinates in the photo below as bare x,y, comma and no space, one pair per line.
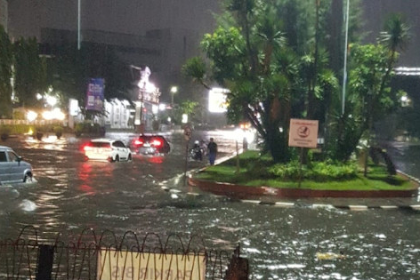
343,97
173,91
79,36
142,93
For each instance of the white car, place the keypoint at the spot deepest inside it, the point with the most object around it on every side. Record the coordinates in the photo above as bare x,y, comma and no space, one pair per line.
107,149
12,168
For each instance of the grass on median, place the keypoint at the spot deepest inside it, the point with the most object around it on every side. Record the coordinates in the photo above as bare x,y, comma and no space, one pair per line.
253,174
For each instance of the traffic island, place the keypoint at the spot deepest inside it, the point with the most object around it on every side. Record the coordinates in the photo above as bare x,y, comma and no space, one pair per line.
249,177
247,192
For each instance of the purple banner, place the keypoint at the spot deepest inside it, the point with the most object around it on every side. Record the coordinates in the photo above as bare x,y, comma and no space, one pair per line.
95,95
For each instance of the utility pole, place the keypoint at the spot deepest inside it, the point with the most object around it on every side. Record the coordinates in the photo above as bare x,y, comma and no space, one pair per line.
79,36
343,97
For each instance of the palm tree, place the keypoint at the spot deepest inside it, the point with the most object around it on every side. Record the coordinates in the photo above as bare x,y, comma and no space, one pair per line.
395,37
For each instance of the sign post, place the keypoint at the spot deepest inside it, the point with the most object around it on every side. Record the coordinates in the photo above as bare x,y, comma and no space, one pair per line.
303,134
187,136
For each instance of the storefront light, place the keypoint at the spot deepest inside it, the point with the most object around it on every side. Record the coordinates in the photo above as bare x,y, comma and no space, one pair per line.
47,115
155,109
31,116
58,114
51,100
54,114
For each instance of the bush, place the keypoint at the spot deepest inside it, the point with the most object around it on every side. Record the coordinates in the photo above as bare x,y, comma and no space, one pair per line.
327,171
289,171
317,171
58,130
5,132
38,132
89,128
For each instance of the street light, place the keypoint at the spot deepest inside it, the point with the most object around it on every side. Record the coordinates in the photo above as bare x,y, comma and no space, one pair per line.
79,35
343,95
142,91
173,91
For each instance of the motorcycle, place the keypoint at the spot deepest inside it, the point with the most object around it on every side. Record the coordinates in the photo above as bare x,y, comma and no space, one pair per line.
196,153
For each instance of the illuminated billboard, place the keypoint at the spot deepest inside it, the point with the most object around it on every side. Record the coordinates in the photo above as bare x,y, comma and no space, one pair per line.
217,100
95,95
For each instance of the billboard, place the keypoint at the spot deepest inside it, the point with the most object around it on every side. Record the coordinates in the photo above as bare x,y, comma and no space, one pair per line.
95,95
217,100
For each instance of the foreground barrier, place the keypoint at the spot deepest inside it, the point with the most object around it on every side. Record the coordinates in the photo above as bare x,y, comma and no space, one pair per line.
104,257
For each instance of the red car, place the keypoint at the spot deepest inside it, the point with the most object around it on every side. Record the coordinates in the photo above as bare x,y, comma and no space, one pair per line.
151,145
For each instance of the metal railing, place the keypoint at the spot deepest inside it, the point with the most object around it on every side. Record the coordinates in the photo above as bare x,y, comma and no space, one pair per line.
26,122
103,257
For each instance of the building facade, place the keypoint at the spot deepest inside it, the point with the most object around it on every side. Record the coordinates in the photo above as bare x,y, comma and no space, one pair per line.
163,34
4,14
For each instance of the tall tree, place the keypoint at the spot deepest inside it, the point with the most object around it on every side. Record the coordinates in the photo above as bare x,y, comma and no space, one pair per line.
6,62
395,37
73,68
266,54
30,72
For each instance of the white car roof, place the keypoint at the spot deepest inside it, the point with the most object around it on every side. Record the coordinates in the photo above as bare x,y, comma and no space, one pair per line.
103,140
5,148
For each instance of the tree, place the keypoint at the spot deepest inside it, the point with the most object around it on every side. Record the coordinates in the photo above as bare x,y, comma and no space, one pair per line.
370,96
274,58
188,108
395,37
30,72
71,69
6,62
268,68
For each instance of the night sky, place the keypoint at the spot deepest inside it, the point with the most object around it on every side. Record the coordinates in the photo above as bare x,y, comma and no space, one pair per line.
27,17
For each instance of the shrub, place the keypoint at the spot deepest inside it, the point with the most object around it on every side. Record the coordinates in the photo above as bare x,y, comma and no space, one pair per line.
326,171
318,171
58,130
89,128
39,132
5,129
289,171
4,132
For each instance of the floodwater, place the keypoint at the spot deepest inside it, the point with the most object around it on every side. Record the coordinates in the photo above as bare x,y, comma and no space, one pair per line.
71,195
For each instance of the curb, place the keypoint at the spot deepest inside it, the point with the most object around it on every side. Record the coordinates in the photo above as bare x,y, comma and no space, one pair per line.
288,204
284,204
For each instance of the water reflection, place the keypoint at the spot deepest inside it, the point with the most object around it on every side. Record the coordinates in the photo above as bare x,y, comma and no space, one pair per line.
406,157
281,243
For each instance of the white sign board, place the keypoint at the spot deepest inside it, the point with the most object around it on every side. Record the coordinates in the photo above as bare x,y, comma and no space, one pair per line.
303,133
217,100
124,265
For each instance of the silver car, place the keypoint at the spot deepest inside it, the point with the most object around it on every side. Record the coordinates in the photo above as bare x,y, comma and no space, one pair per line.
12,167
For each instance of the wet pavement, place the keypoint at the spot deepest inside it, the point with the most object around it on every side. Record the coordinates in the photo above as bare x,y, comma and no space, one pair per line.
149,195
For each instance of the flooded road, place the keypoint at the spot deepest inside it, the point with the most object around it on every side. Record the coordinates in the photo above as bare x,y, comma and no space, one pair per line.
71,194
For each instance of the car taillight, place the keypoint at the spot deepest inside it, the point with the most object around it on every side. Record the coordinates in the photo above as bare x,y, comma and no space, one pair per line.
138,142
87,148
157,142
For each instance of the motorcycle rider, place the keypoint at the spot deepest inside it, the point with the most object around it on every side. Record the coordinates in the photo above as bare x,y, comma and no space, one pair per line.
197,151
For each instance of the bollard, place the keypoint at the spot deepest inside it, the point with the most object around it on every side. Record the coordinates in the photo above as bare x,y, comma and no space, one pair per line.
45,262
238,269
